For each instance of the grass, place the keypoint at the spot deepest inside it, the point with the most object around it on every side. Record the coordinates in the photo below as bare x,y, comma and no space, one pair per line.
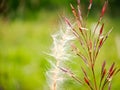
23,63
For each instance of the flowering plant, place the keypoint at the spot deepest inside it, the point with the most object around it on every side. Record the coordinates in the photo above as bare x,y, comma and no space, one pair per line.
91,45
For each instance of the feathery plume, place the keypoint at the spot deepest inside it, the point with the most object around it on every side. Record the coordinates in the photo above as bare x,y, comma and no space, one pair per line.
61,41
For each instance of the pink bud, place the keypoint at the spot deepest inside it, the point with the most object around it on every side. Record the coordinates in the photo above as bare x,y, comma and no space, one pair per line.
89,7
101,42
84,71
104,8
111,68
101,30
112,72
87,81
90,44
103,74
103,67
78,2
91,1
67,21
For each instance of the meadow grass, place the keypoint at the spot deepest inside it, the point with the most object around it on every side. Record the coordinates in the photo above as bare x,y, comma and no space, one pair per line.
23,63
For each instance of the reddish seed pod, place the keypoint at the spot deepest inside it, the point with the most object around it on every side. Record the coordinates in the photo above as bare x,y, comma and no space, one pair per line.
73,10
67,21
112,72
101,42
90,44
103,67
90,5
84,72
87,81
91,1
111,68
78,1
104,8
101,30
104,72
76,15
64,70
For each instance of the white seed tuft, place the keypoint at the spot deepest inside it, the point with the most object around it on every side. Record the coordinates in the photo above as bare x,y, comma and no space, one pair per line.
59,51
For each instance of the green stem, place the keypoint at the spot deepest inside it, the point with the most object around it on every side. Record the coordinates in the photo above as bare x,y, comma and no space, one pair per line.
94,78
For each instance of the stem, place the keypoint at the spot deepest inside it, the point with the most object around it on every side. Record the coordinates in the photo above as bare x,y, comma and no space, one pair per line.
105,82
86,17
90,87
94,78
75,78
97,26
54,84
100,83
95,50
88,49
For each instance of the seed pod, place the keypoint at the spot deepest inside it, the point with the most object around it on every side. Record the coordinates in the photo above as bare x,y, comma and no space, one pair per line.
101,42
86,81
104,9
90,45
101,30
78,1
74,11
103,67
84,72
112,72
103,74
111,68
89,7
67,21
91,1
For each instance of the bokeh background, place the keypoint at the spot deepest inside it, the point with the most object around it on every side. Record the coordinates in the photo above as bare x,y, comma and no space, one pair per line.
25,36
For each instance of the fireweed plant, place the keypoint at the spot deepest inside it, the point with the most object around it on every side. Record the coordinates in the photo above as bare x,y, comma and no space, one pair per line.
91,45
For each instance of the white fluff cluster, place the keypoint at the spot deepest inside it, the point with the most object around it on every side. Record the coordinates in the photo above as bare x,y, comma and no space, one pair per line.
61,43
59,51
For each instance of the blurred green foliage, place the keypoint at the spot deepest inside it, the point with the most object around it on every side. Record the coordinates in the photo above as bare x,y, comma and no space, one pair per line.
23,62
13,8
24,42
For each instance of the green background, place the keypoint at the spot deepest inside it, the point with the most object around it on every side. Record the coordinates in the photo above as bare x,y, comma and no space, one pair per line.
26,27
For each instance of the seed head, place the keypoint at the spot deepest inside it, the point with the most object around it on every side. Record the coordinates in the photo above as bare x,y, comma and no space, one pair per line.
104,8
